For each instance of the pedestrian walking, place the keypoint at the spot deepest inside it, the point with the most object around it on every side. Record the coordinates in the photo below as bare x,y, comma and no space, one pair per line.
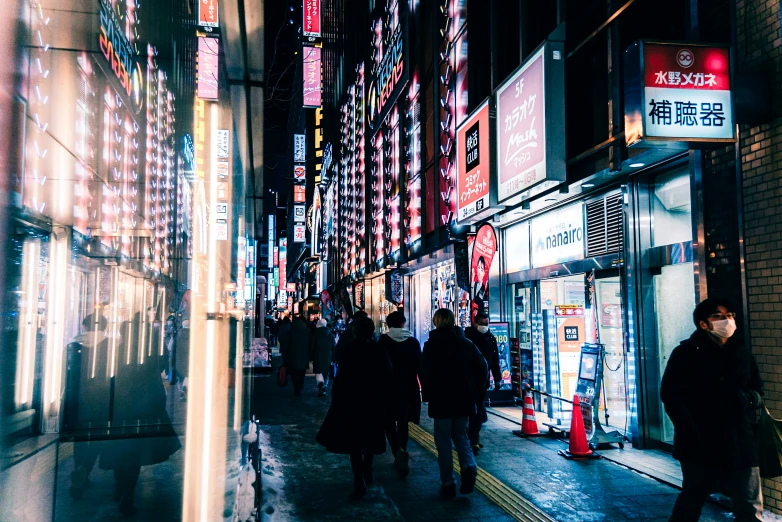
355,422
452,372
484,340
711,389
404,352
296,354
347,336
321,353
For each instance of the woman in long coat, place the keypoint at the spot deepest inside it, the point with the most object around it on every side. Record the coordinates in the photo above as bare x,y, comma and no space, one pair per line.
355,422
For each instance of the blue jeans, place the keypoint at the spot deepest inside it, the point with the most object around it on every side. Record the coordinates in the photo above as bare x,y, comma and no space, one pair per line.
445,431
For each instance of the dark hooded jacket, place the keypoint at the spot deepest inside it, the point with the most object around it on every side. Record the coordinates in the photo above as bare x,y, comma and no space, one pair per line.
711,394
404,352
322,348
453,371
487,344
358,413
296,349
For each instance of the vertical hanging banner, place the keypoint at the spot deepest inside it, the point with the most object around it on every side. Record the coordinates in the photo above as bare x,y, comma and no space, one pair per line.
311,18
208,52
299,148
312,83
473,166
207,13
484,248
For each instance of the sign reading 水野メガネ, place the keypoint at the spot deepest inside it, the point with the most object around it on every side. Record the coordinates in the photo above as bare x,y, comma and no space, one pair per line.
530,125
208,52
207,13
299,147
558,237
312,83
682,92
311,18
473,165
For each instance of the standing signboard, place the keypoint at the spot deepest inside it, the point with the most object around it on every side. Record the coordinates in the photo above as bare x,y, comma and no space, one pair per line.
531,126
676,94
501,332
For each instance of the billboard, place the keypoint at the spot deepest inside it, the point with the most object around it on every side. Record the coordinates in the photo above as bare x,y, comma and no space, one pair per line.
530,124
311,76
473,165
311,18
208,52
677,93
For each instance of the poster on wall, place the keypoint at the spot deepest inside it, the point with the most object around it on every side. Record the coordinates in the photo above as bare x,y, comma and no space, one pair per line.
501,332
484,248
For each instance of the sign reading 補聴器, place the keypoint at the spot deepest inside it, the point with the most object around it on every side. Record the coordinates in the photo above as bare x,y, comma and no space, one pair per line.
678,93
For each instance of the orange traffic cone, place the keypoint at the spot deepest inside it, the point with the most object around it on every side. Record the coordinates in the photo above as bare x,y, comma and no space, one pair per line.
578,447
529,426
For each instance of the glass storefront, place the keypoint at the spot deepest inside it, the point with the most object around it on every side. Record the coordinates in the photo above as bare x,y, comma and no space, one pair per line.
430,289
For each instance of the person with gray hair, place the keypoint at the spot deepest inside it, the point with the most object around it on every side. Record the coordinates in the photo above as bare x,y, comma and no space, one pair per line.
453,371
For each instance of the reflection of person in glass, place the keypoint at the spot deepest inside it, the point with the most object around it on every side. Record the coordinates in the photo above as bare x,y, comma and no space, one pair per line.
87,397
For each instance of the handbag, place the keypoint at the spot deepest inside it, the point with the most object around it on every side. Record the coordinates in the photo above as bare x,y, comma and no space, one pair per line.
768,440
282,376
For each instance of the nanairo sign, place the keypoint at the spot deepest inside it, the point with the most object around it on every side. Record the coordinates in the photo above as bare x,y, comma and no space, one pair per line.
558,236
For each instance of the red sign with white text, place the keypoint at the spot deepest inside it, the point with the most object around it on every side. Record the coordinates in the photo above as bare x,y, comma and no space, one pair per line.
311,14
473,159
299,194
207,13
683,67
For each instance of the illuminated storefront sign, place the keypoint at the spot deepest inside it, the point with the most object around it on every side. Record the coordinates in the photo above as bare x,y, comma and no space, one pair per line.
299,213
299,194
208,53
119,52
311,18
318,143
282,280
299,174
389,72
299,233
299,148
530,124
558,237
473,166
677,93
311,77
207,13
484,248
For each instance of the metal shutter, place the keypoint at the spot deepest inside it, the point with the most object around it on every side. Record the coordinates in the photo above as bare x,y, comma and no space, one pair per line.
604,225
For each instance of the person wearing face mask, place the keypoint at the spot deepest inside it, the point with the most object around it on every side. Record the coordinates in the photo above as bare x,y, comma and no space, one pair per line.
481,337
711,390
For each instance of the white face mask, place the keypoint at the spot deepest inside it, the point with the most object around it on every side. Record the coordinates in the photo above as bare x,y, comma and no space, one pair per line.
724,328
482,329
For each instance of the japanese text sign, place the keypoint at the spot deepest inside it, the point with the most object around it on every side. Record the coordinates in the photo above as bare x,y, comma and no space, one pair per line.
208,52
299,194
311,18
558,237
473,164
311,76
207,13
299,233
299,147
684,93
527,105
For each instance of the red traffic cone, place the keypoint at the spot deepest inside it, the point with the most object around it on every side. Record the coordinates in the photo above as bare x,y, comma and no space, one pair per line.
529,426
578,446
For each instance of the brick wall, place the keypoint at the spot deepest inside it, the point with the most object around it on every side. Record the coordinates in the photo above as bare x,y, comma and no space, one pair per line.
758,50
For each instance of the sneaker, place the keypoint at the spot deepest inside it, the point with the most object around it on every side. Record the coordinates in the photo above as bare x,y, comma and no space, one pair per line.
448,492
401,463
468,481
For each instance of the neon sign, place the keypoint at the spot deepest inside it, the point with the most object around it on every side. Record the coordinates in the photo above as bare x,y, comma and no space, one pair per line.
389,73
120,54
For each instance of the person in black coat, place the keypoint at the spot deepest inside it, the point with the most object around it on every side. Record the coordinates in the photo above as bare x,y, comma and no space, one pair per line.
710,389
452,372
484,340
404,351
347,336
356,420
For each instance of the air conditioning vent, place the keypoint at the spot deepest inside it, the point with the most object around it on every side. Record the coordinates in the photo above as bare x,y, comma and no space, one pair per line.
604,225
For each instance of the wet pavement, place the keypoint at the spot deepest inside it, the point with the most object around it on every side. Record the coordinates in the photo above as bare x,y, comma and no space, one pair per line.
301,481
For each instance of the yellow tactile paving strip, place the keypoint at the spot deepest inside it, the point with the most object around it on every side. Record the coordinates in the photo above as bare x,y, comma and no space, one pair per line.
508,499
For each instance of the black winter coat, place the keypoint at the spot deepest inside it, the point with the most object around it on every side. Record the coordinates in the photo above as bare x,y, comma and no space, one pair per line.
321,350
405,357
487,344
357,417
453,373
707,391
